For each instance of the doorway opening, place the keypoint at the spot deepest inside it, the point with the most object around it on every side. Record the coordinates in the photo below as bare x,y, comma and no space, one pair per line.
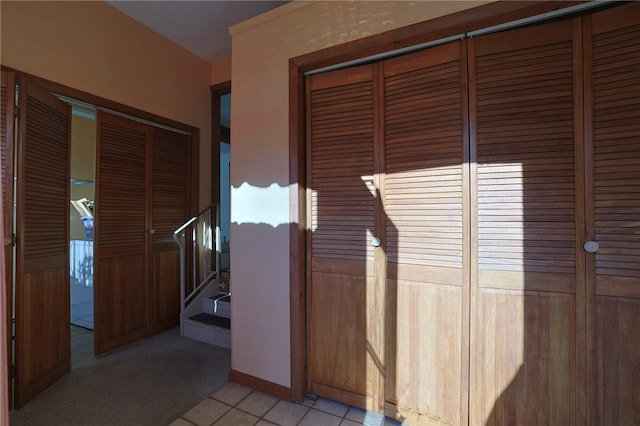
220,173
225,188
49,187
81,217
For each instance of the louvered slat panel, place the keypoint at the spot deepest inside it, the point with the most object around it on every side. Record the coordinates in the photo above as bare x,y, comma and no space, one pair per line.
42,231
341,129
170,189
45,181
613,76
170,207
525,312
423,195
121,279
121,205
616,91
7,101
525,151
423,157
3,134
340,118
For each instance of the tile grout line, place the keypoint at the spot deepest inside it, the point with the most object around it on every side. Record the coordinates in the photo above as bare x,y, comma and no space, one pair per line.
305,414
252,414
341,418
225,413
234,406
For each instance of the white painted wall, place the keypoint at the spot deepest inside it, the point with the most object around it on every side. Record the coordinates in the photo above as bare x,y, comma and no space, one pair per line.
261,48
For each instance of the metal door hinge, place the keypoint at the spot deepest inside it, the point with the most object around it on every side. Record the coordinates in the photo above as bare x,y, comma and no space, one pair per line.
16,113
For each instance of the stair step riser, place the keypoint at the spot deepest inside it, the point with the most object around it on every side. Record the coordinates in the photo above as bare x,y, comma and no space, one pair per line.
211,334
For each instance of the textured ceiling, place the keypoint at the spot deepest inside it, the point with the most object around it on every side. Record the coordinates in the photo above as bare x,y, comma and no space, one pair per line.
201,27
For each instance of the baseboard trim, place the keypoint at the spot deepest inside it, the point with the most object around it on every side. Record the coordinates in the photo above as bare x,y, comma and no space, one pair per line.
261,385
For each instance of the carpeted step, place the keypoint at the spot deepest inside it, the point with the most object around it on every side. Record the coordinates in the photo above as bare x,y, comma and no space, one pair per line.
211,319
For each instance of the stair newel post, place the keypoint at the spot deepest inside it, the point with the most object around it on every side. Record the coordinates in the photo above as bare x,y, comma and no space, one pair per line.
218,243
182,275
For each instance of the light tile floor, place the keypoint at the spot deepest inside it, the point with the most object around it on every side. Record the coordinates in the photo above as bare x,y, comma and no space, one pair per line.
236,405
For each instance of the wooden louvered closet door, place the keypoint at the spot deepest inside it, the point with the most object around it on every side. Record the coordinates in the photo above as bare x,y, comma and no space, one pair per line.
427,246
121,290
527,340
170,208
42,347
612,43
7,108
343,315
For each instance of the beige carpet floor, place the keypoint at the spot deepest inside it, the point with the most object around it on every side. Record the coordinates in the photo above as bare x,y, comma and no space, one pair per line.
149,382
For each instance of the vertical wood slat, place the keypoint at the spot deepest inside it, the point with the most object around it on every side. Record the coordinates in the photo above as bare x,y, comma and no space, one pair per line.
121,283
377,311
481,351
7,110
579,348
42,267
612,40
589,261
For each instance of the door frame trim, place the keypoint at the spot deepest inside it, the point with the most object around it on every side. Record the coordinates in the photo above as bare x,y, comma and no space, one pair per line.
217,91
98,101
6,283
465,21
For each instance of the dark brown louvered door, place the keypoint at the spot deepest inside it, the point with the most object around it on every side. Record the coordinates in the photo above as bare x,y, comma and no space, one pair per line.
612,44
343,346
527,286
170,208
7,108
426,196
121,290
42,346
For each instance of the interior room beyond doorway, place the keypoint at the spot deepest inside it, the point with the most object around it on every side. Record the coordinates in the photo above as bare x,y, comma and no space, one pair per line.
83,154
225,186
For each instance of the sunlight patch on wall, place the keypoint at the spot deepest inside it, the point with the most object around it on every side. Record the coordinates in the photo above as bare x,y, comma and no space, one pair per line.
251,204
